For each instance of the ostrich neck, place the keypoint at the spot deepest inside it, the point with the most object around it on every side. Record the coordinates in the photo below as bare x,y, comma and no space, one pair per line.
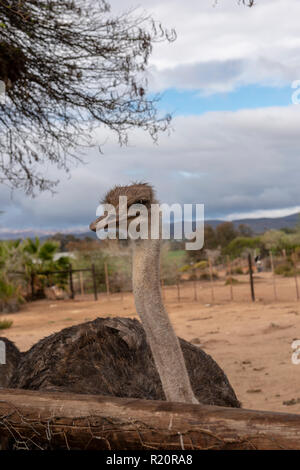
161,337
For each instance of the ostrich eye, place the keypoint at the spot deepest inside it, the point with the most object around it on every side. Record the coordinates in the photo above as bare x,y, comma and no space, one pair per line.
144,202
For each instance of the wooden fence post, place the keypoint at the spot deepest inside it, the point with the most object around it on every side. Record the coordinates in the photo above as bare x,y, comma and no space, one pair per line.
230,277
195,288
251,277
72,294
178,287
81,283
273,276
106,279
32,284
295,274
211,279
94,282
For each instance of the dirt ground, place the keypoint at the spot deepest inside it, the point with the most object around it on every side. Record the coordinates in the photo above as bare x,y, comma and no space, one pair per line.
250,341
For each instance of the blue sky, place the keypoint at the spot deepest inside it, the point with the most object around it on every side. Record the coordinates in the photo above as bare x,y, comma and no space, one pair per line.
234,144
187,102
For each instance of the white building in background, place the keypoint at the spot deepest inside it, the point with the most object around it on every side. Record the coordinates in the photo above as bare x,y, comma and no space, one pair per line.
64,254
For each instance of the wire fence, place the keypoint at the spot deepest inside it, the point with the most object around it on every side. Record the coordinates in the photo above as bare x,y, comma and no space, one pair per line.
274,278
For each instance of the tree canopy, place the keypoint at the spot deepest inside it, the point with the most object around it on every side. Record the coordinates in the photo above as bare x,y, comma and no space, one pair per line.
68,66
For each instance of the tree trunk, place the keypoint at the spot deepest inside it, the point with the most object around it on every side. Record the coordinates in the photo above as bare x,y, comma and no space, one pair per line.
37,420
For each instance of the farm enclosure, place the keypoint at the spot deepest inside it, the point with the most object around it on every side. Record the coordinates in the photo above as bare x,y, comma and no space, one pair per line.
250,341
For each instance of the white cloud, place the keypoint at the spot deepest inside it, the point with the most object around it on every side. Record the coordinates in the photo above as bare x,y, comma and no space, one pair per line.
264,213
241,162
250,45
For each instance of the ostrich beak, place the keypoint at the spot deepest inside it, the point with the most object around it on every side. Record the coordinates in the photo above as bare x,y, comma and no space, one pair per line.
103,221
100,223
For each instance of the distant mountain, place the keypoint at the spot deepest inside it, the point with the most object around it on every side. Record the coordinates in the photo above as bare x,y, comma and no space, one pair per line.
258,226
42,234
263,224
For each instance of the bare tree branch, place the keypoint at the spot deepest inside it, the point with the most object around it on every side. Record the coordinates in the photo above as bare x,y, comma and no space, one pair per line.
68,67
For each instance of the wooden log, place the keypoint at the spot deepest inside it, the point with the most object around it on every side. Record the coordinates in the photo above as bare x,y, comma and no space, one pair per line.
67,421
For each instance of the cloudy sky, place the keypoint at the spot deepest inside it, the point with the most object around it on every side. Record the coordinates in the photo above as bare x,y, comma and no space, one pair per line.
236,132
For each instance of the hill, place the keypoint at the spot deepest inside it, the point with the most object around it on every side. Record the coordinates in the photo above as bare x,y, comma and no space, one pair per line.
258,226
261,225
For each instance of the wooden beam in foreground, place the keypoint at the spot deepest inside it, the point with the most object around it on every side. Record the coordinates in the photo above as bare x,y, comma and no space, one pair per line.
36,419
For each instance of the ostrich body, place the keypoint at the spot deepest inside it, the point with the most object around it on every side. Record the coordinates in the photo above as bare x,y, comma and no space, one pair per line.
111,356
13,357
119,356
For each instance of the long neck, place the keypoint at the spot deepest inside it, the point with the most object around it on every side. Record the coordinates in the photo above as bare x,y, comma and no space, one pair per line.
163,342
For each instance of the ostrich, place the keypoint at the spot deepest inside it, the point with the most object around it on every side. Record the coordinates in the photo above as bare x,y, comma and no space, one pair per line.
120,356
162,340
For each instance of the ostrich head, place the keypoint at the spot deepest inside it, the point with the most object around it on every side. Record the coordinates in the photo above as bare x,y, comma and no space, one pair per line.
137,193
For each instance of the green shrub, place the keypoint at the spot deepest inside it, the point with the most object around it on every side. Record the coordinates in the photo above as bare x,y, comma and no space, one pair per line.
201,265
10,297
193,277
7,290
206,276
237,271
231,280
285,269
240,245
185,268
5,324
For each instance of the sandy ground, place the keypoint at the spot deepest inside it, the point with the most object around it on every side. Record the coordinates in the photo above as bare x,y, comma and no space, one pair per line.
250,341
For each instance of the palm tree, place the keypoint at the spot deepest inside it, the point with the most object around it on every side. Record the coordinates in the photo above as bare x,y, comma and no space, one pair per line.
10,259
39,261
